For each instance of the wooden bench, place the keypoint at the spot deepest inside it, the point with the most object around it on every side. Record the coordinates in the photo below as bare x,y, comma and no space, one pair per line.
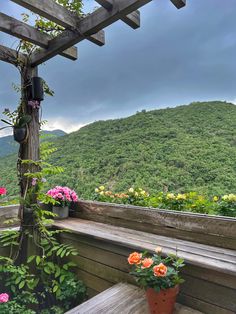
210,274
122,299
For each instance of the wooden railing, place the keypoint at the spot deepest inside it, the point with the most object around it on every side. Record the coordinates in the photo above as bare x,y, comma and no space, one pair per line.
212,230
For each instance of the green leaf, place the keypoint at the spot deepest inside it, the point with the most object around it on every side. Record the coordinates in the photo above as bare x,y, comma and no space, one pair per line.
30,258
21,285
38,260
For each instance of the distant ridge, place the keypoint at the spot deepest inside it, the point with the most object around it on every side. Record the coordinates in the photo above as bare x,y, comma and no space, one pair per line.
9,146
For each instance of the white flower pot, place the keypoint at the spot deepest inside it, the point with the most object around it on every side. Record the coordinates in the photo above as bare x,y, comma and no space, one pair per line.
62,212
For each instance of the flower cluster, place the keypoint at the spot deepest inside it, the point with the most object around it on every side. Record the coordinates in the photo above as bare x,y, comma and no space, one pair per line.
3,191
154,271
192,201
4,298
63,195
131,196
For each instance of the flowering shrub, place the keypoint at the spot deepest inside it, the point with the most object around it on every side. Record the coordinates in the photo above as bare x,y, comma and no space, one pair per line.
154,271
227,205
63,195
131,196
192,201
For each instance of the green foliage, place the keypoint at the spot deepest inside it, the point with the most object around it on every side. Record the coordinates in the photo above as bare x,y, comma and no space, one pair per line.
192,201
46,275
182,149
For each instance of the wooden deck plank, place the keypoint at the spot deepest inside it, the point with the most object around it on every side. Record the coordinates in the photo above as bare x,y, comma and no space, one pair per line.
223,260
122,298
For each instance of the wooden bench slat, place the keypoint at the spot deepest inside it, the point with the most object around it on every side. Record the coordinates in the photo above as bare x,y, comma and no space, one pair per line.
223,260
122,298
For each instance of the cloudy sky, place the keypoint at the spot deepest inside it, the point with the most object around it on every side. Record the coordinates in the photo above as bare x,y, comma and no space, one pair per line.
176,57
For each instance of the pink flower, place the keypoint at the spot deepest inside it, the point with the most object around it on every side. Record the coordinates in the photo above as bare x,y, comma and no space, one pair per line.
4,297
63,194
3,191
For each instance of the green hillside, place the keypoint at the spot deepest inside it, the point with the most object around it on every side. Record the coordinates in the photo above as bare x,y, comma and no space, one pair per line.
184,148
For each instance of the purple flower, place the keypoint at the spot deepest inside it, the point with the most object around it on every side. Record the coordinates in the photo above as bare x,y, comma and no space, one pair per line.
44,180
35,104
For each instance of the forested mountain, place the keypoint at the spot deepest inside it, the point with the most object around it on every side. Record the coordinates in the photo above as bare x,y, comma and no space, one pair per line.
9,146
180,149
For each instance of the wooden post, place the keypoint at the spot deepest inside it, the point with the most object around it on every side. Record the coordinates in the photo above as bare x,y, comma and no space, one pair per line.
29,150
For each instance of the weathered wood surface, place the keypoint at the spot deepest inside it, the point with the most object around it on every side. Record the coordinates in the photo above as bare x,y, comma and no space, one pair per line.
11,56
26,32
122,298
213,230
132,19
6,213
102,263
205,256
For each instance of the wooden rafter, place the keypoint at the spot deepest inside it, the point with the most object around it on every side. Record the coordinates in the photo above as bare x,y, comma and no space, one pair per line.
60,15
11,56
132,19
26,32
91,24
179,3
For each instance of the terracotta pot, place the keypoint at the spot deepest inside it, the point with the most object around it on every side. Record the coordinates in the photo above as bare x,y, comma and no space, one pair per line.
162,302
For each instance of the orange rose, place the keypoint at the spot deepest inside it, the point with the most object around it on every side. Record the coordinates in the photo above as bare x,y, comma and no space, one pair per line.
160,270
134,258
147,262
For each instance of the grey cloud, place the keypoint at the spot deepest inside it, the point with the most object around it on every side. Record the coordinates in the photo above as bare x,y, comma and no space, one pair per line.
177,56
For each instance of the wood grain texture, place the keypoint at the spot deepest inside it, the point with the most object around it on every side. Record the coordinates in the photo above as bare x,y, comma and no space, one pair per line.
212,230
122,298
116,256
205,256
12,56
26,32
106,261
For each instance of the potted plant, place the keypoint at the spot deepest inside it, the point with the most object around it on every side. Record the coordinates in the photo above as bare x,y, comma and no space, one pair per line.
19,123
160,278
64,196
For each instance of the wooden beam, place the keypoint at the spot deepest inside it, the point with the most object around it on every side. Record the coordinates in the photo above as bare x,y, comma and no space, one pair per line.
106,4
179,3
26,32
11,56
89,25
58,14
50,10
132,19
98,38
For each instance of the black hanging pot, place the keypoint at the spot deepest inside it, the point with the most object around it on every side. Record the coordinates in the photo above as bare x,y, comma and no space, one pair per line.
20,134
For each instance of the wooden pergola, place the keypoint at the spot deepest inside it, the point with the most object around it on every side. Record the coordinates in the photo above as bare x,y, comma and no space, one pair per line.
76,29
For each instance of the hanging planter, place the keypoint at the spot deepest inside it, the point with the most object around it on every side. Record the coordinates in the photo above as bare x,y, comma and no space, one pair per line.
20,134
19,123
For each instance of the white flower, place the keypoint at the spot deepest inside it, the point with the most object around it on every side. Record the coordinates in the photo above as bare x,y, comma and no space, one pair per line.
131,190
